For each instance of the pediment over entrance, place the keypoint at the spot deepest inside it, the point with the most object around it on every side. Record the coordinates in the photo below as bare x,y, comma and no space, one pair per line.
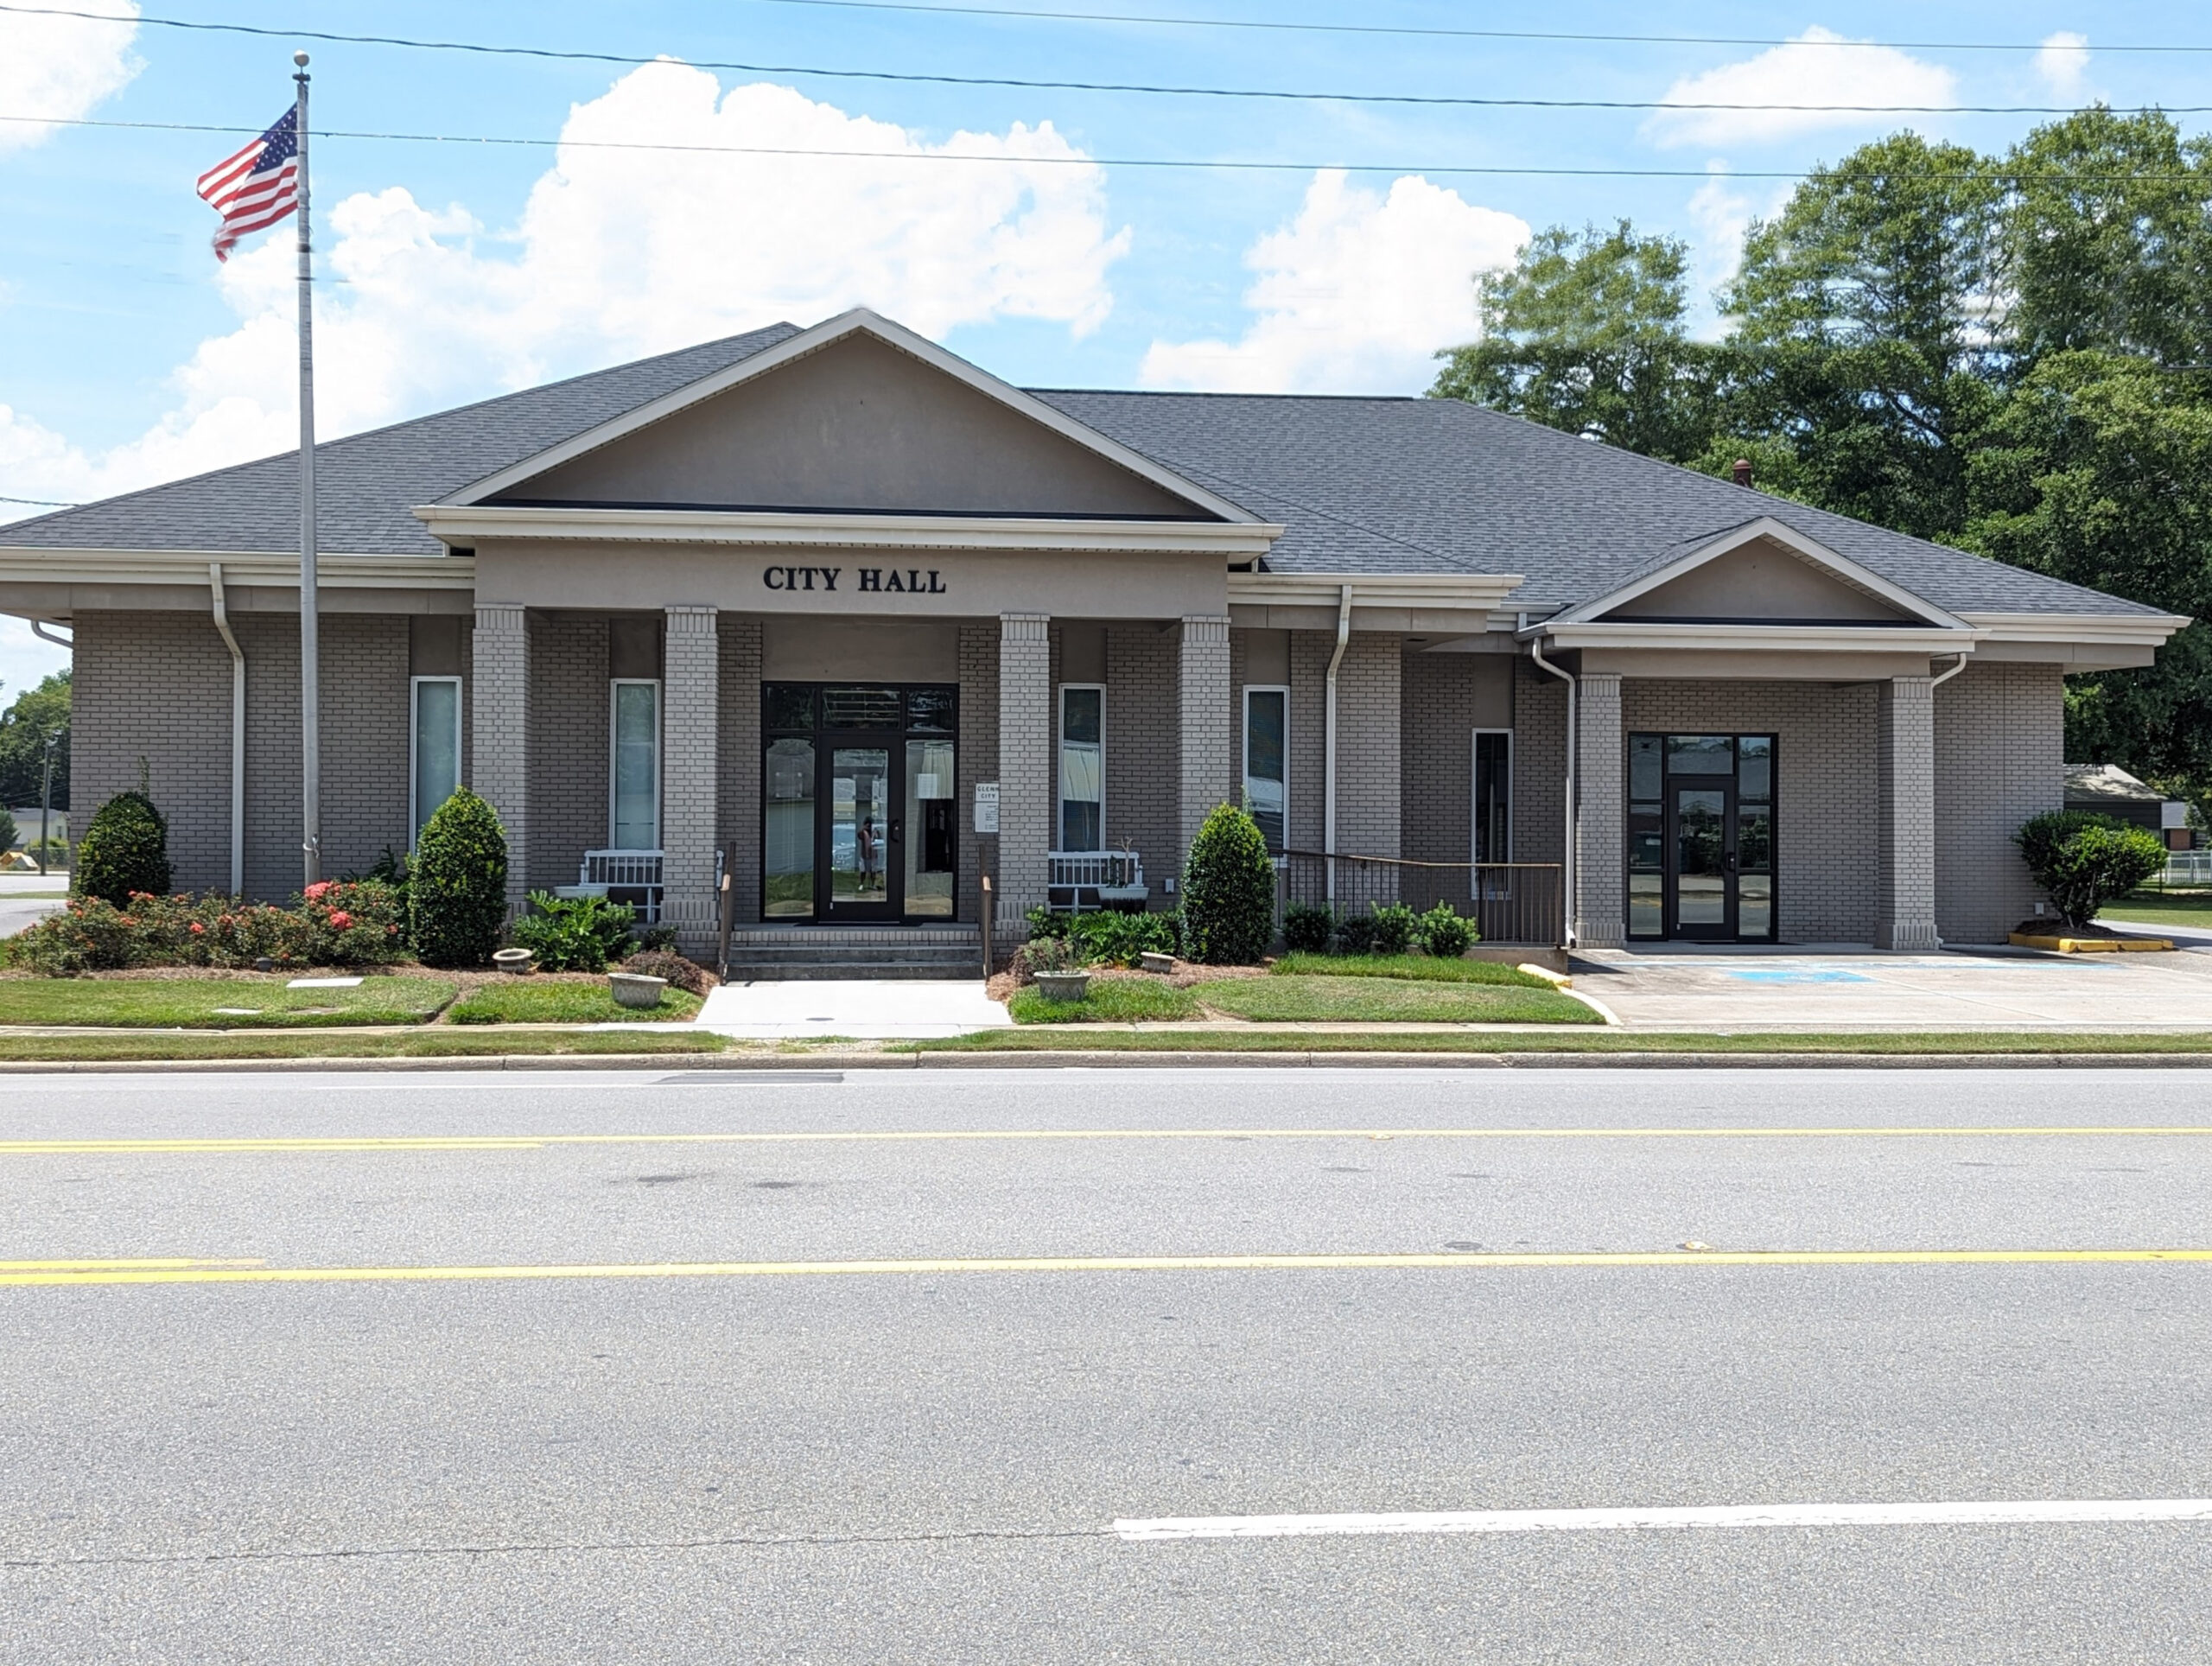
1762,581
856,416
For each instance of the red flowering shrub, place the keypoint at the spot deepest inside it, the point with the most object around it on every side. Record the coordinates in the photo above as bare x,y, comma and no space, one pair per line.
335,924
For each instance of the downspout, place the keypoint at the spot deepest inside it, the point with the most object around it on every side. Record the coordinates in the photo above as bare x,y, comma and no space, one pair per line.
1936,682
1567,864
237,730
39,630
1329,745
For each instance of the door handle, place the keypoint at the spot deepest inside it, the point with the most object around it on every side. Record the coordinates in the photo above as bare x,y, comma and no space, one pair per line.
897,829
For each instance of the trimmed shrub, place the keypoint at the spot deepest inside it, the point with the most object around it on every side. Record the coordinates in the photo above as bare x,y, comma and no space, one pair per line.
1356,934
331,924
1116,939
125,851
457,890
1444,934
1229,891
1044,924
686,975
575,934
656,939
1306,930
2084,859
1394,926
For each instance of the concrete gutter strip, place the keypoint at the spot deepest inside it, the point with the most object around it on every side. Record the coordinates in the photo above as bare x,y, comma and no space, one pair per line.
786,1063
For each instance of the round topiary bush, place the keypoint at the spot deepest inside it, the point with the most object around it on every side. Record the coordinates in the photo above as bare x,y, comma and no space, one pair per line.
2085,860
1229,891
1444,934
1306,930
126,849
457,888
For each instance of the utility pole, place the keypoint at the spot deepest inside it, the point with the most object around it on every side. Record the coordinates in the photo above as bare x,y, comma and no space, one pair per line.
46,797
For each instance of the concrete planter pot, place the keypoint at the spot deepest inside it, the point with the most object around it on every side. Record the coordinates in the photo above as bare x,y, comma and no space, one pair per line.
1156,962
1063,986
517,961
634,989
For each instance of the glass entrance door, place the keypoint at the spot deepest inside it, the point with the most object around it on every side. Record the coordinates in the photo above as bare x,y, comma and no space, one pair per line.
1703,899
860,831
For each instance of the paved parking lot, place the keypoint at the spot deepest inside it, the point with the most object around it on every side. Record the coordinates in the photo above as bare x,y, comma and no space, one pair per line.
1949,990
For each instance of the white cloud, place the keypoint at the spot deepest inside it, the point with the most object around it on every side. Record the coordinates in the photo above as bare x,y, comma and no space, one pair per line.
619,253
1354,295
2062,64
1816,68
59,68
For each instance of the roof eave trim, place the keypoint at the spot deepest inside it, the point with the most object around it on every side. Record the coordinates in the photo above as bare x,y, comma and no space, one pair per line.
1481,592
1706,639
2126,630
859,321
27,563
1765,526
469,525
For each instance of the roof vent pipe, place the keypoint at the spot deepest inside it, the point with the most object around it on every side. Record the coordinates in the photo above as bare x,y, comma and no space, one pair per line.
1741,468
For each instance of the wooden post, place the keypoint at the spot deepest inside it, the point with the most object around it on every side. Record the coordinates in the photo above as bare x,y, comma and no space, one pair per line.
987,928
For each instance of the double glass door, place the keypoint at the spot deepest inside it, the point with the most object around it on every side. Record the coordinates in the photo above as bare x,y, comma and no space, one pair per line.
857,804
1701,837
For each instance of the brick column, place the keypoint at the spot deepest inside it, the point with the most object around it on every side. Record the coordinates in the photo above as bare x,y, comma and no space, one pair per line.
500,768
1025,769
1600,761
690,744
1905,865
1204,745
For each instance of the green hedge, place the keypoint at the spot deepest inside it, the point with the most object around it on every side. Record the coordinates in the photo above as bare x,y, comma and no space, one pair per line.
457,884
124,852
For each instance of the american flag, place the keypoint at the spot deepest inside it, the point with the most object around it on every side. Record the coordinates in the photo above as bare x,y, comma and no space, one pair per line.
258,187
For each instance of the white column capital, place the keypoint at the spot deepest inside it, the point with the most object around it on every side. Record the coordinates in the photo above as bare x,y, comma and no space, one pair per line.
500,617
686,620
1206,627
1024,628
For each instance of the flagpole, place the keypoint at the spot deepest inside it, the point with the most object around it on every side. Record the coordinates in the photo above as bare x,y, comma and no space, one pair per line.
310,655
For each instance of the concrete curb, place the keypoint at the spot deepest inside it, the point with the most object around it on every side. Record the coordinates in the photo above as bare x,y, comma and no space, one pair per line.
819,1067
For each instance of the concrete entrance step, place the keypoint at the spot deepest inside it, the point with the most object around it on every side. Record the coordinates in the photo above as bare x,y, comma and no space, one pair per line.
817,953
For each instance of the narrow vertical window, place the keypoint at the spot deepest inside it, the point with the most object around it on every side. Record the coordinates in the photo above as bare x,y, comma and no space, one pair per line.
634,815
1493,805
434,749
1082,766
1266,769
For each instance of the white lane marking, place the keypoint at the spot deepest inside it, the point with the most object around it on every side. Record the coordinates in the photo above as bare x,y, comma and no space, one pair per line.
1963,1513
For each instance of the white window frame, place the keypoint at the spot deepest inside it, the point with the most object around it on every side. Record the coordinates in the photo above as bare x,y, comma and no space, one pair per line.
1474,824
660,755
414,748
1060,755
1244,752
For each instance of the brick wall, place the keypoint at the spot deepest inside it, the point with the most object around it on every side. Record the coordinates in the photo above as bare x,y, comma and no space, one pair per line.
1906,816
978,759
1309,727
1369,685
738,781
1436,789
1999,759
690,752
184,736
499,761
1825,787
1538,765
567,724
1142,738
1025,752
1206,773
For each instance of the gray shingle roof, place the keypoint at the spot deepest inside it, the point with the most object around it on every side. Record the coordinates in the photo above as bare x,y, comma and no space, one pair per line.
1363,485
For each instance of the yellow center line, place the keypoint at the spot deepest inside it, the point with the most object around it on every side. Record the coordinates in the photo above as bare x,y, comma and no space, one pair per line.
216,1147
228,1273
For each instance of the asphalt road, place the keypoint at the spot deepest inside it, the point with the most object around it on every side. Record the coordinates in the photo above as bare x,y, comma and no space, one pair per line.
463,1459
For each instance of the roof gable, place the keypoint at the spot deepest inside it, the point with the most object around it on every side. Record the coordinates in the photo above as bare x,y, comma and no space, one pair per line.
854,416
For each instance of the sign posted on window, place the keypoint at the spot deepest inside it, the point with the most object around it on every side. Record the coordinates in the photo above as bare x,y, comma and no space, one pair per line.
987,807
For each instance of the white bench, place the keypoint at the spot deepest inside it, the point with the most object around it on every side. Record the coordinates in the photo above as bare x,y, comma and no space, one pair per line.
631,876
1108,876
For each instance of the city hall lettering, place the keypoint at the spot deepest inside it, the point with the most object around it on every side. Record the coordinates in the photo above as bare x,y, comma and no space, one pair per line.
917,580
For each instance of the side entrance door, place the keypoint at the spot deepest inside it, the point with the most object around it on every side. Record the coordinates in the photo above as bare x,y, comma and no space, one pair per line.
1701,858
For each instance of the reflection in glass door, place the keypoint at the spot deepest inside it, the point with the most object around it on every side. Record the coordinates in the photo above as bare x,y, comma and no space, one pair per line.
930,831
860,833
1703,897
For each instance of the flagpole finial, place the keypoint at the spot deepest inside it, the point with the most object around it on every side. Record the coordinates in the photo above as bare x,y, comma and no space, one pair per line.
300,59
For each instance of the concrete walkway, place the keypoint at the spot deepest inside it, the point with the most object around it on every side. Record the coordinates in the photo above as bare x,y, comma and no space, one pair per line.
883,1009
1863,990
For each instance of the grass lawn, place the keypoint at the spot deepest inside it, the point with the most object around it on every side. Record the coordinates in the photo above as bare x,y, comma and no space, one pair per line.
155,1047
1389,1000
1526,1041
2160,908
198,1003
544,1000
1111,1001
1419,969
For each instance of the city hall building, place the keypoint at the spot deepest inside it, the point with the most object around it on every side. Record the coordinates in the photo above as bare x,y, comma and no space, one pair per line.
839,614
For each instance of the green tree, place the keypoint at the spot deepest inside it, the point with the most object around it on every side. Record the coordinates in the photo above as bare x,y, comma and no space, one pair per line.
1229,891
1863,336
1586,331
124,851
36,714
2099,471
2108,239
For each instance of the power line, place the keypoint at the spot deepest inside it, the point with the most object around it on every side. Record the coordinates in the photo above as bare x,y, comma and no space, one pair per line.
1026,14
1077,160
43,502
1148,89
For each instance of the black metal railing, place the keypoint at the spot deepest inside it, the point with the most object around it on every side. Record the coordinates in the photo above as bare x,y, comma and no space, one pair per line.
1517,902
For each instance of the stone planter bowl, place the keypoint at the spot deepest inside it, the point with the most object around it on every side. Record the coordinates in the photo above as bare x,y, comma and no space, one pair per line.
1063,986
1151,962
633,989
517,961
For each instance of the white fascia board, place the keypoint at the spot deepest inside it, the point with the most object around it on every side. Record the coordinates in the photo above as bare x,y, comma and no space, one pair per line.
24,565
1826,639
1476,592
2128,630
468,526
1766,526
859,321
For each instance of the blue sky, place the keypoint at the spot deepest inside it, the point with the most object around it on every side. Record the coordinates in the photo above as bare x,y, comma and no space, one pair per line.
453,271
